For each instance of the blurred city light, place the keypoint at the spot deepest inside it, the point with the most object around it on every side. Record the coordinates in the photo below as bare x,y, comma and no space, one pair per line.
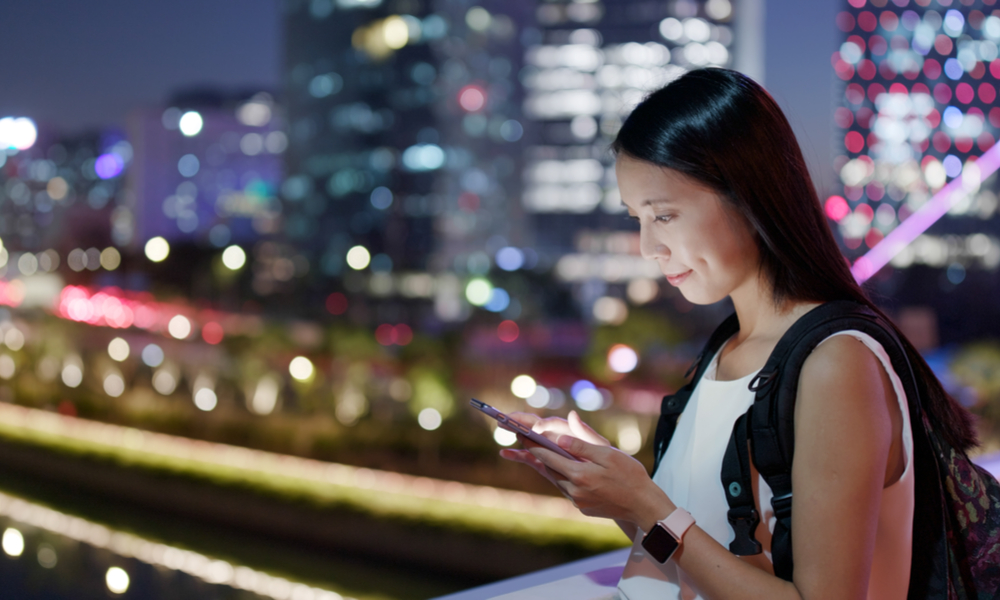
523,386
165,381
212,333
508,331
622,359
118,349
539,398
301,368
152,355
429,419
111,259
234,258
191,123
13,542
504,437
629,436
358,258
114,384
179,327
509,258
205,399
157,249
117,580
472,98
72,371
108,166
265,396
17,133
8,368
478,291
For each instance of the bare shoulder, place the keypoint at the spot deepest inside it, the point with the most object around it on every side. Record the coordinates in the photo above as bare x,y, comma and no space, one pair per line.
841,360
842,376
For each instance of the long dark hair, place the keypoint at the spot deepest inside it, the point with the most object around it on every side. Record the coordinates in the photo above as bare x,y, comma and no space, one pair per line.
721,128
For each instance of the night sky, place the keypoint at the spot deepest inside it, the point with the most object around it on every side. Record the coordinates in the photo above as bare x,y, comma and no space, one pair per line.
75,64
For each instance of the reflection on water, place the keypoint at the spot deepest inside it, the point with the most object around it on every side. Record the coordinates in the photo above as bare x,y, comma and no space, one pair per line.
54,555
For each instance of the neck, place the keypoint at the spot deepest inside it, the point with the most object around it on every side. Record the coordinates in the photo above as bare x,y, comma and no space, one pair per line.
759,316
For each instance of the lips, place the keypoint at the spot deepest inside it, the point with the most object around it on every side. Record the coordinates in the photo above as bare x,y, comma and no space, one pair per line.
676,280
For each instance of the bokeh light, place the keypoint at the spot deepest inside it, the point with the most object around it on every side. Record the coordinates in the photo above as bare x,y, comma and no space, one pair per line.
157,249
429,419
118,349
179,327
358,258
152,355
523,386
234,258
622,359
12,542
212,332
301,368
117,580
17,133
191,123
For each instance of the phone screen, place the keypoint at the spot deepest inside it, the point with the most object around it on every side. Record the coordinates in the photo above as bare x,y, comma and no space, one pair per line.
512,425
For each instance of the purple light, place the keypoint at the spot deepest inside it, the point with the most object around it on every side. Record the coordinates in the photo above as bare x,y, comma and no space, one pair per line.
926,215
108,165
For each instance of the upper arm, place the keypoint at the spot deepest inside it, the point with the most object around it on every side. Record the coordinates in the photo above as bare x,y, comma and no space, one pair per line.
843,433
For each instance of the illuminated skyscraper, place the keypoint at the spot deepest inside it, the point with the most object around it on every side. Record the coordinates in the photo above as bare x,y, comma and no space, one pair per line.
587,65
206,169
916,112
403,120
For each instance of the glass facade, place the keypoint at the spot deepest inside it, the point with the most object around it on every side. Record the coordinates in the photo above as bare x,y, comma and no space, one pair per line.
916,112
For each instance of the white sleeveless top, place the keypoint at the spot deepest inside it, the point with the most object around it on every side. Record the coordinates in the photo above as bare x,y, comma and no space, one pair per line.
690,475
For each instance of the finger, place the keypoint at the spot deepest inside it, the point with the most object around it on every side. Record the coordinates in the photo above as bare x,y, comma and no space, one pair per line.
585,432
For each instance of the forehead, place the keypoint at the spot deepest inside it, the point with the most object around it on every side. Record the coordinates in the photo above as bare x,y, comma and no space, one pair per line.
643,183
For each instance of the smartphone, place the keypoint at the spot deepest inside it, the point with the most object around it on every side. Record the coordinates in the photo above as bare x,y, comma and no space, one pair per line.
512,425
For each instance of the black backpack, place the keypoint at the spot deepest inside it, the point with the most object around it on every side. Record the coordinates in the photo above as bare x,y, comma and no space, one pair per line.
956,521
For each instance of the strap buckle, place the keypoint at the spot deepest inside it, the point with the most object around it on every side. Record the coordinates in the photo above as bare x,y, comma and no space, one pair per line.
744,521
761,380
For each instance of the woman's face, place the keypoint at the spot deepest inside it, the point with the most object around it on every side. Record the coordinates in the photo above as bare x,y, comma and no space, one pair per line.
703,247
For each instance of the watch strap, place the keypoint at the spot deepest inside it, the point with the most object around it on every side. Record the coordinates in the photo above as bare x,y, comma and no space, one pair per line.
678,522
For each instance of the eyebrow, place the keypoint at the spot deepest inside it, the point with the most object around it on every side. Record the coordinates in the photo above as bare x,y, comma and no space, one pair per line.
653,202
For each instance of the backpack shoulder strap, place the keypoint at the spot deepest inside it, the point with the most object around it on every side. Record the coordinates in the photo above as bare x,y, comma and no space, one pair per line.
673,405
769,425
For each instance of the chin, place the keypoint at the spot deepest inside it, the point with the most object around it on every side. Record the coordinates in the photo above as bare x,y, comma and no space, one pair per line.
702,297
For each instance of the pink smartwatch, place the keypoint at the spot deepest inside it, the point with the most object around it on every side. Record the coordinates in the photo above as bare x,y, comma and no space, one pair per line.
666,536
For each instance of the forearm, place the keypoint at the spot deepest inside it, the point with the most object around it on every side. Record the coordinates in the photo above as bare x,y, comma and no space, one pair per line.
720,575
628,528
716,572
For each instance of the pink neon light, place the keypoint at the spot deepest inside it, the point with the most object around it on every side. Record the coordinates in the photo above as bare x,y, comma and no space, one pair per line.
924,217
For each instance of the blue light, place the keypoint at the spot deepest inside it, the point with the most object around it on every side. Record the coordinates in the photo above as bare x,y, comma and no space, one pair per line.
579,386
952,117
188,165
499,300
953,69
952,165
423,157
954,22
381,198
509,258
381,263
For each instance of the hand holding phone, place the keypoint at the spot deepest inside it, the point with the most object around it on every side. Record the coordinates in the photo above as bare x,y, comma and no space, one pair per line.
520,429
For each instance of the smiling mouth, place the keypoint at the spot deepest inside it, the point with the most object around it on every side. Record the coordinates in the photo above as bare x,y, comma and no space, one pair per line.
676,280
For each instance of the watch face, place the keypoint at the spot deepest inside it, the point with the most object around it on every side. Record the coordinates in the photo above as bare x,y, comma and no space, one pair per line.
659,543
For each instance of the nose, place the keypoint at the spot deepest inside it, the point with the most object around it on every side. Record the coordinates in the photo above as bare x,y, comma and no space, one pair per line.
649,246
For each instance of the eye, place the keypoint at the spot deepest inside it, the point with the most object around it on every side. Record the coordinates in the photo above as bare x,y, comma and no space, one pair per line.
632,218
663,218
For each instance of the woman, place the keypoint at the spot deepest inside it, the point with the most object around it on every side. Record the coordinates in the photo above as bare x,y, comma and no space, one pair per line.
710,169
